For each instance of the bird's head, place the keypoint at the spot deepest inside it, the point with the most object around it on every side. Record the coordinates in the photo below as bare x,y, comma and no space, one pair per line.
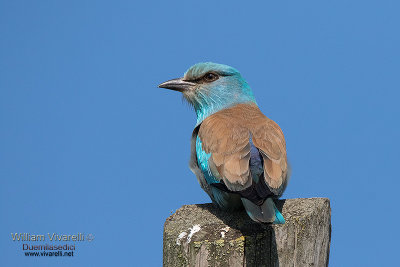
211,87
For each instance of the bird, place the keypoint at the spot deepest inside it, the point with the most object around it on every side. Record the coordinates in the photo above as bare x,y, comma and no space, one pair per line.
237,153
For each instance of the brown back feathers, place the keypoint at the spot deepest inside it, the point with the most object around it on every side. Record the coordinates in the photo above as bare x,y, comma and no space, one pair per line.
227,134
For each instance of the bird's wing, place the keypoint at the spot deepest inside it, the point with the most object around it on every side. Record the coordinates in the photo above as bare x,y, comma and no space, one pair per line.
228,135
230,150
224,200
268,137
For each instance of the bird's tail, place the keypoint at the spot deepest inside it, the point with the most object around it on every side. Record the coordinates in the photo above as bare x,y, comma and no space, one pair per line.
266,212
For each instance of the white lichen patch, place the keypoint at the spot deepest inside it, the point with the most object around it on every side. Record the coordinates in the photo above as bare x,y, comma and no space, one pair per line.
193,230
180,236
224,231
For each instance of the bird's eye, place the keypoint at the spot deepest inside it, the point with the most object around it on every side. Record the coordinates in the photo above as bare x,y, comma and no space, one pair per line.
210,77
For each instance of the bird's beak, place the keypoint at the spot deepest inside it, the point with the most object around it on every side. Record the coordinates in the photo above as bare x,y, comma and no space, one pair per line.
177,85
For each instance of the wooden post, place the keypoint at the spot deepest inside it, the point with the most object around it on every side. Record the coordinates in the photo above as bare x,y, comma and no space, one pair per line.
202,235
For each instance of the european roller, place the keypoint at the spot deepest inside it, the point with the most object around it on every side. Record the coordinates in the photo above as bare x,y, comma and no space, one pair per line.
237,154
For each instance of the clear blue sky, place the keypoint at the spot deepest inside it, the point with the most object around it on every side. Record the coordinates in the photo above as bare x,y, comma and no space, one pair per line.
88,143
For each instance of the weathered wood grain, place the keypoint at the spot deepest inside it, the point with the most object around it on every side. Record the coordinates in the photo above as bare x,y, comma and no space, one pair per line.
202,235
